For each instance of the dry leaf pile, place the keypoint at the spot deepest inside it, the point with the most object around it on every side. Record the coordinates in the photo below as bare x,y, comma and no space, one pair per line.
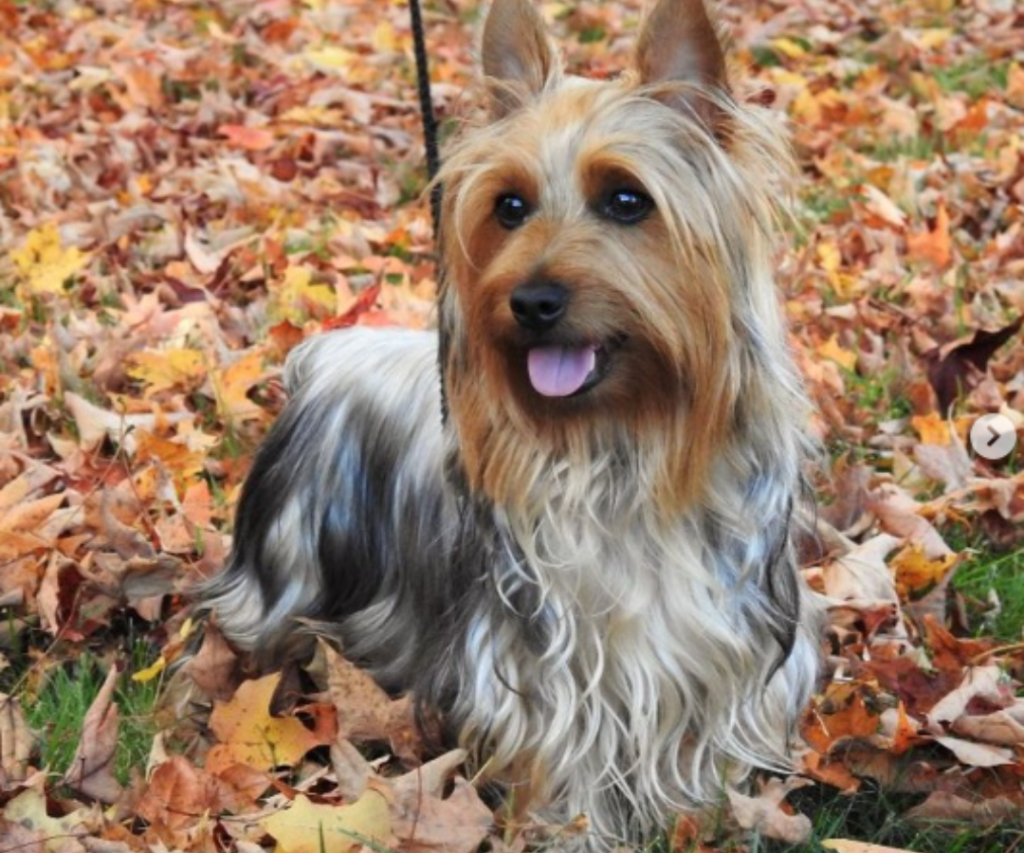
188,189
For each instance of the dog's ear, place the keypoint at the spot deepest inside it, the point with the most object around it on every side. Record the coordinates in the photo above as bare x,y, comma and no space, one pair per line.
679,44
517,56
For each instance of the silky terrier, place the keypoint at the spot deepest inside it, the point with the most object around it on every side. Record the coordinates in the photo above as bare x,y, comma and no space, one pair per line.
564,520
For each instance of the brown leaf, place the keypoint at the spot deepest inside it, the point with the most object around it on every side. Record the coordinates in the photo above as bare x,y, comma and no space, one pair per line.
16,743
92,770
980,682
901,516
179,795
367,713
862,575
977,754
215,668
351,769
765,813
942,805
425,822
998,727
956,367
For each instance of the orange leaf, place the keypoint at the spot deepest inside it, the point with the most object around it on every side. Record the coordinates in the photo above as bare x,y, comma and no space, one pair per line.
933,429
933,245
233,384
247,138
249,735
831,349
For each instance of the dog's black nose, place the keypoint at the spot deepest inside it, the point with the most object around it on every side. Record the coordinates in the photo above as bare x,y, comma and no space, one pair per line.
539,306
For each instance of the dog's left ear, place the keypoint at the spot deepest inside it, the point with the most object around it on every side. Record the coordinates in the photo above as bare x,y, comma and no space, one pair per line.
517,56
679,44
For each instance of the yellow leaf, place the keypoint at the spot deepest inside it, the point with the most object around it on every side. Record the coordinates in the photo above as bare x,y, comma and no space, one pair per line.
327,59
806,107
296,298
932,428
788,47
163,370
28,811
176,458
829,256
232,385
1015,84
934,38
151,672
315,116
916,572
249,735
384,38
832,350
842,845
306,827
44,263
784,77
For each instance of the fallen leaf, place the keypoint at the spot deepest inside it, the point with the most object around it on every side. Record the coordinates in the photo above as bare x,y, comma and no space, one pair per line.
944,806
915,572
305,827
215,667
933,245
247,138
249,735
180,795
16,743
27,812
765,814
233,384
841,845
365,711
91,772
977,754
424,822
954,368
45,264
862,575
984,682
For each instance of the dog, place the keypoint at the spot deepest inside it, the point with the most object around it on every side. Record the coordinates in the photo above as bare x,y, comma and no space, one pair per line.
565,519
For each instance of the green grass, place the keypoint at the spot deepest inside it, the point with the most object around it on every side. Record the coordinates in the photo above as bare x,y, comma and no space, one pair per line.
820,204
879,394
920,147
58,711
875,816
974,77
1003,575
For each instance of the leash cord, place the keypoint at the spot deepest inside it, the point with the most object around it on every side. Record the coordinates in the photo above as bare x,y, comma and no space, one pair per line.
426,108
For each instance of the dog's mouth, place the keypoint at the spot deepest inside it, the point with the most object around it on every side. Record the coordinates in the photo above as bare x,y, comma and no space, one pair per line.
557,370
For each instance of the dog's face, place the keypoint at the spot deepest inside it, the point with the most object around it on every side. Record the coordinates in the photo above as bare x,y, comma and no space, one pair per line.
595,234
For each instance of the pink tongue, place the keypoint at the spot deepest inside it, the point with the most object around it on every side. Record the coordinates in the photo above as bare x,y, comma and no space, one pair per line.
560,371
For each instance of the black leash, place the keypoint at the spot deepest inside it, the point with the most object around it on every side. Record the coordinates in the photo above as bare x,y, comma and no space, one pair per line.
426,109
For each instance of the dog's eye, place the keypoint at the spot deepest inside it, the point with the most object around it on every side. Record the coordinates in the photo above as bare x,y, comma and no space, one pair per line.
511,210
627,206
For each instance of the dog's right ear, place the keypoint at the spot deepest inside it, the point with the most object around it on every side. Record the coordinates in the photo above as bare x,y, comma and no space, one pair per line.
517,56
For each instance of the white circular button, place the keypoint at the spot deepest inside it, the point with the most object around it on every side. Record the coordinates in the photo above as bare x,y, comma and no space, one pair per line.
993,436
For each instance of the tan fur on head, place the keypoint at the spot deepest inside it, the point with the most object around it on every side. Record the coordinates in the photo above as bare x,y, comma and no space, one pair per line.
671,287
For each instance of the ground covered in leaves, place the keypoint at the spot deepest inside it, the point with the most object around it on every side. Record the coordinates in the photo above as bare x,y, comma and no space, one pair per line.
189,189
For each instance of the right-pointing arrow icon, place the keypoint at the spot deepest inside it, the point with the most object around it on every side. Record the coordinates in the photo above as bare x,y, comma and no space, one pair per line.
993,436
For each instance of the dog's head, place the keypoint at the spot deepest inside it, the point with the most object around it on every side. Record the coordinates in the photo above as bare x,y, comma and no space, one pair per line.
603,244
